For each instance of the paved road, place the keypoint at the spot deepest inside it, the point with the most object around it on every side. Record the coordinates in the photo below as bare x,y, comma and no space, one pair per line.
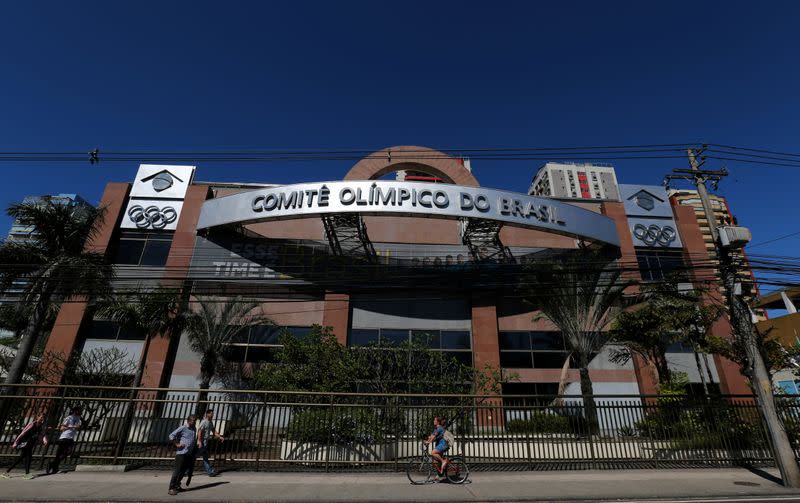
718,486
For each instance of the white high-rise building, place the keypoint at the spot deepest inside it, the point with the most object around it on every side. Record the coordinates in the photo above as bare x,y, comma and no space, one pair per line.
575,181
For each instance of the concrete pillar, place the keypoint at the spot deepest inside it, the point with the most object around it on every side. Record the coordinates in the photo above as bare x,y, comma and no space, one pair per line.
336,314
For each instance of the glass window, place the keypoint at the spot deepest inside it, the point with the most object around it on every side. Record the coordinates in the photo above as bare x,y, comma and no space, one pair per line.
129,251
391,336
548,360
235,353
142,248
155,253
456,339
130,334
241,337
656,265
299,332
547,341
428,338
259,354
363,336
102,329
265,334
515,340
463,357
516,359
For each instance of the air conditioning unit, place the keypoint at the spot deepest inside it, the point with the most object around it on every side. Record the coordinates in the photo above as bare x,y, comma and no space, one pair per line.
734,237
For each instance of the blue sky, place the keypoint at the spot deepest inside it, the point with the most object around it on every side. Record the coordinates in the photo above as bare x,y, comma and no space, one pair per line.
236,75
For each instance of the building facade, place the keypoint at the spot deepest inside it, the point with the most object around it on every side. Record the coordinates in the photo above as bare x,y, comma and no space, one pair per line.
723,216
381,260
575,181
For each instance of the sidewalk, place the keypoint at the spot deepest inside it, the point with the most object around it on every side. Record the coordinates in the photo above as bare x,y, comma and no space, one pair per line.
395,487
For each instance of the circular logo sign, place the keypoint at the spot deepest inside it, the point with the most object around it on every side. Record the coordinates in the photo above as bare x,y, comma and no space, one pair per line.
653,234
152,216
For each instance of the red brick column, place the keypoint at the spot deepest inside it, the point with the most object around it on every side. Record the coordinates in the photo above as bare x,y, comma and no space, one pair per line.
645,379
161,351
336,314
731,380
64,335
486,351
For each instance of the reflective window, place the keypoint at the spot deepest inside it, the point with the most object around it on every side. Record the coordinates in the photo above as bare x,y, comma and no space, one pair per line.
537,349
363,336
515,340
112,331
394,336
455,343
142,248
516,359
456,339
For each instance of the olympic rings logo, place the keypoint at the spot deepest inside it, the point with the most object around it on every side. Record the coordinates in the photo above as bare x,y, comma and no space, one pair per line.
653,234
152,216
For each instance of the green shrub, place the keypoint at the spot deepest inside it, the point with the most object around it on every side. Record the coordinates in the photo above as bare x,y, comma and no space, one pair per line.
540,422
702,425
337,426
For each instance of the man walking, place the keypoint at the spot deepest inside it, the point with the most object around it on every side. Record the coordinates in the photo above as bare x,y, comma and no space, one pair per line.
66,441
204,434
184,439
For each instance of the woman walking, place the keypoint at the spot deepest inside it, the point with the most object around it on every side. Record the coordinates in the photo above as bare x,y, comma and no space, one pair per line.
31,435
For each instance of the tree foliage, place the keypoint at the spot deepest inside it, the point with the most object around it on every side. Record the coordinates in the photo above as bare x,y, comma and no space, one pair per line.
152,313
320,363
53,266
663,315
580,292
214,325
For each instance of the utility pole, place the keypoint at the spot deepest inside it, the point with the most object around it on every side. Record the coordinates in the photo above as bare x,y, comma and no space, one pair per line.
727,239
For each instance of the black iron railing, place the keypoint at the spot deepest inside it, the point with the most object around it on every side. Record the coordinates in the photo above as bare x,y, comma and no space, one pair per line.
324,431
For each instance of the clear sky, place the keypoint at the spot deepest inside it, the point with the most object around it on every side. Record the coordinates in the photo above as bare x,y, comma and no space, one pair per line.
236,75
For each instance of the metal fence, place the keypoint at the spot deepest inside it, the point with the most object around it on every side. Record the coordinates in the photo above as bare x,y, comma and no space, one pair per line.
329,432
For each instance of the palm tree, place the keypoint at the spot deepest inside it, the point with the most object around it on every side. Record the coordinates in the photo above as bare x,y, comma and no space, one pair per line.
53,266
212,327
151,313
579,292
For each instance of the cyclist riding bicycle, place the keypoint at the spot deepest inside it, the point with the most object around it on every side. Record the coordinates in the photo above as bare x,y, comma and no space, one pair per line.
439,444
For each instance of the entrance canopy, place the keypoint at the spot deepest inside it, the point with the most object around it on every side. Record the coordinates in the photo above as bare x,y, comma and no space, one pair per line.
429,200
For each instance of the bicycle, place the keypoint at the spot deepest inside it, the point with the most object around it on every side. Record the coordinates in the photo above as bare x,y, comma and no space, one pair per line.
421,470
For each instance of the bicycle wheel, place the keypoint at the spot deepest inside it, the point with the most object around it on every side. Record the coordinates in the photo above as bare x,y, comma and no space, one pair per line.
419,471
457,470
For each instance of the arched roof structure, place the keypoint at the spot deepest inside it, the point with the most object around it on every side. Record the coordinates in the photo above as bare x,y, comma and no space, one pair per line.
407,157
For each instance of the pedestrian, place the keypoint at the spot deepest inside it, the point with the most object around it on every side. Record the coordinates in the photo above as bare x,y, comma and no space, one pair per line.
205,433
184,438
32,434
66,441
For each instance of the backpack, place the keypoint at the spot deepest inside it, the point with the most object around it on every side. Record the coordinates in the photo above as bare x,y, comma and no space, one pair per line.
449,438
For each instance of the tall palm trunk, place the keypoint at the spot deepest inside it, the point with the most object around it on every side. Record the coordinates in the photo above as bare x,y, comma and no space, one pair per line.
562,381
29,338
587,393
700,370
708,369
24,351
130,408
207,372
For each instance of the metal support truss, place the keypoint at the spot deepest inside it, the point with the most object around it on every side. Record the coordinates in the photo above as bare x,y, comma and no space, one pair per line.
482,237
347,236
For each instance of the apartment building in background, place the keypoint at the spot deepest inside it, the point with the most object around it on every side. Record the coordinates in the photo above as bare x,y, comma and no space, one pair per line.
576,181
